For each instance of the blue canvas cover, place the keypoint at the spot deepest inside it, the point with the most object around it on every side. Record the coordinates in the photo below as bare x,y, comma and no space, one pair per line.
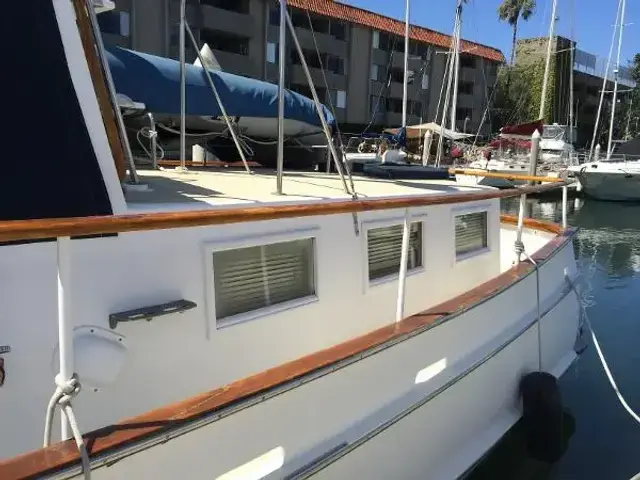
155,81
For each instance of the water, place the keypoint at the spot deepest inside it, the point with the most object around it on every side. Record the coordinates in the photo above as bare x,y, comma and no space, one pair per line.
606,441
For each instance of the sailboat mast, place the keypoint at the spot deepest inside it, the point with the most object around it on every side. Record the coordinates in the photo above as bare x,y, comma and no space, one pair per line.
615,82
572,60
406,65
547,68
456,64
281,76
183,86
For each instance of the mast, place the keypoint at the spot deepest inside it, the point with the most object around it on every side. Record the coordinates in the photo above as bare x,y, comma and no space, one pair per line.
281,74
572,57
406,65
604,83
183,86
616,74
547,68
456,64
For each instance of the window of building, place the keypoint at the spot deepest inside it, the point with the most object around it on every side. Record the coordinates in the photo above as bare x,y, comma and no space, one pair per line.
252,278
225,42
338,30
425,81
274,16
115,23
394,105
384,41
335,64
341,99
375,39
377,105
384,247
397,74
414,108
239,6
471,233
467,61
465,88
374,72
462,113
272,52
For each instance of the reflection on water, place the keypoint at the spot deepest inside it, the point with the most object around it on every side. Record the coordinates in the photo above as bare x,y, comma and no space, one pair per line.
606,439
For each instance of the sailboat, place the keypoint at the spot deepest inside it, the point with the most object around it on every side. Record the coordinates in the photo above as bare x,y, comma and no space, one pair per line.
230,325
383,155
609,179
509,153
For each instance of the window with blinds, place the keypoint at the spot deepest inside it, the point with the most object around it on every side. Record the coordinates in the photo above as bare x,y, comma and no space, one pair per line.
248,279
384,246
471,233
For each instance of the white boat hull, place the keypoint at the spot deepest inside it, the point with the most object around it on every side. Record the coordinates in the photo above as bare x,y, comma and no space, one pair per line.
429,406
611,183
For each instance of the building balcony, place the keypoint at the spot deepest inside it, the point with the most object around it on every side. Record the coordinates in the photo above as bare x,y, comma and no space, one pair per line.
227,21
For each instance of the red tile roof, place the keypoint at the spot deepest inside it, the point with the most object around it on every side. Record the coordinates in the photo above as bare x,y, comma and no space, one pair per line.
348,13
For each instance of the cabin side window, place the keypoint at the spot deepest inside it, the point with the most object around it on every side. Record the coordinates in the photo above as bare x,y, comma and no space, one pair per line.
471,233
384,246
253,278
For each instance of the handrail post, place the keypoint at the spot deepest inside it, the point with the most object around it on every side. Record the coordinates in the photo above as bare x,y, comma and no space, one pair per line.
153,134
519,245
404,258
65,324
565,195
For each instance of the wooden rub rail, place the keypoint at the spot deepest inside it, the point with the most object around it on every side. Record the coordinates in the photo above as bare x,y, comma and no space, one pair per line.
506,176
20,230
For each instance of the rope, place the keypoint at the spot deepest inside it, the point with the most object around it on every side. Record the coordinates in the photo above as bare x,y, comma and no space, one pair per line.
603,360
520,250
65,391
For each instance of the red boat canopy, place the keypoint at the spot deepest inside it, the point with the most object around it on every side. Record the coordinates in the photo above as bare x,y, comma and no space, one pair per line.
522,130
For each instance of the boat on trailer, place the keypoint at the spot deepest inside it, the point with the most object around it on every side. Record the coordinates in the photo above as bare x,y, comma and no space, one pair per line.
153,84
208,324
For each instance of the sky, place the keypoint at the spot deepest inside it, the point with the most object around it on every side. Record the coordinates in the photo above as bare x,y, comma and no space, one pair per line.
593,22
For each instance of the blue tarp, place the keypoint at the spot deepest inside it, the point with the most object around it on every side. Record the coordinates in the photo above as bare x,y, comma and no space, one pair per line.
155,81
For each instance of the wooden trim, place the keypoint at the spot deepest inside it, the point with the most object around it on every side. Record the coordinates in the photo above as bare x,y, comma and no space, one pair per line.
16,230
507,176
100,85
109,439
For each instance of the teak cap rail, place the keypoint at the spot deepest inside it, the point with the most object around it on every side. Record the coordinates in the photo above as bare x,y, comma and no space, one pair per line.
508,176
20,230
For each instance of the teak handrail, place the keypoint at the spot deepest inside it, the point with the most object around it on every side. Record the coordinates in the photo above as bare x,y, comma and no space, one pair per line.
21,230
507,176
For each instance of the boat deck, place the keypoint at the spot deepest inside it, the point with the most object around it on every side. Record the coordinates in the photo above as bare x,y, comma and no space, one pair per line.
220,187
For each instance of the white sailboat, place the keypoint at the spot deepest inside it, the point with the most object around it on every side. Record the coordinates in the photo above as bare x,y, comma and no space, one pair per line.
556,143
611,179
222,327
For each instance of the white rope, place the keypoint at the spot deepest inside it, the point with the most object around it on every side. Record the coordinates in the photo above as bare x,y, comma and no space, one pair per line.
520,250
146,133
65,391
603,360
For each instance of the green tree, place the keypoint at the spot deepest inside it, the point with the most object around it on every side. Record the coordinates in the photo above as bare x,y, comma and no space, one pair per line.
511,11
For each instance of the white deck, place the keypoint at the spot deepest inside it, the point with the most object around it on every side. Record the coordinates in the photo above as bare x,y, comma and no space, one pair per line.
198,189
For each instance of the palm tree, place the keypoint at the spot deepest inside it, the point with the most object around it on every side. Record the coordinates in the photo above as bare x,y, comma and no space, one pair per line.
511,11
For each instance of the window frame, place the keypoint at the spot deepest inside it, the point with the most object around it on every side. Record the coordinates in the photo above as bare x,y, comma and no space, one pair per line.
248,241
390,222
460,211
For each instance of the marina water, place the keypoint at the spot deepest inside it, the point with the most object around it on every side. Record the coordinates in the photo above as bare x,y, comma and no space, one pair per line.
605,439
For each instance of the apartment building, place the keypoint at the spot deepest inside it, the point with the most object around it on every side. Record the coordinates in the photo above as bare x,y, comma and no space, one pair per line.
588,76
355,56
